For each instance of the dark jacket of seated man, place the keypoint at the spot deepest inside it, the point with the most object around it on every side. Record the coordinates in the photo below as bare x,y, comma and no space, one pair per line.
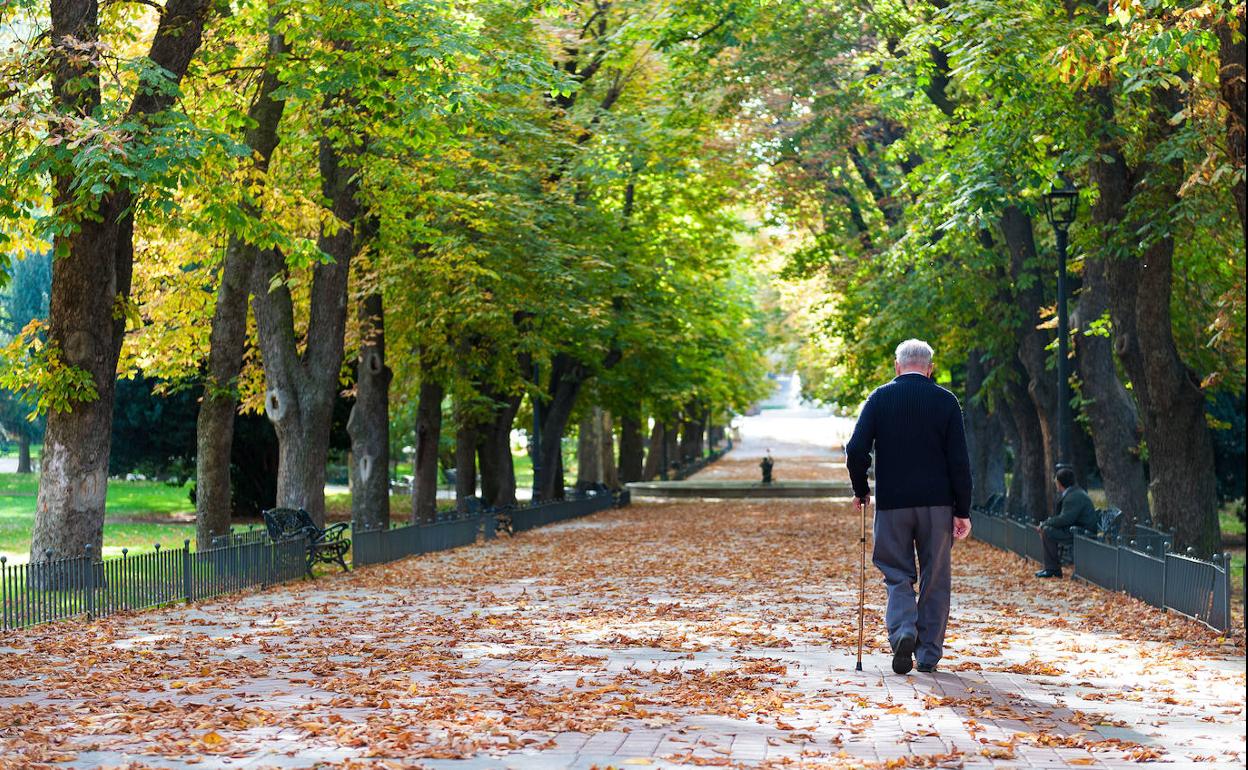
1074,509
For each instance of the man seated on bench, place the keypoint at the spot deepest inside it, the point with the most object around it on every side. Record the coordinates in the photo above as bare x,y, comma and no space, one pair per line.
1074,509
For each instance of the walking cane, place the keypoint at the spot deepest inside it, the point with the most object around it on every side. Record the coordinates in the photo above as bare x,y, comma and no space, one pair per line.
862,582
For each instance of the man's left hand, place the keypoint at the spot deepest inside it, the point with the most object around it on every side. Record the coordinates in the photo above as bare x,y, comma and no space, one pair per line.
961,528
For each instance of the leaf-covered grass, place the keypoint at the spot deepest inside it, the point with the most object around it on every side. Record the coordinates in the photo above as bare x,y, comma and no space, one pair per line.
137,515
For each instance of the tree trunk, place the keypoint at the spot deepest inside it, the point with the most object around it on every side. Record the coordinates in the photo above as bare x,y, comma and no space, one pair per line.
690,428
671,447
1168,393
610,476
428,435
1110,412
23,451
566,378
93,271
465,458
1032,471
589,450
498,470
301,386
214,428
655,461
632,450
369,424
984,436
1028,281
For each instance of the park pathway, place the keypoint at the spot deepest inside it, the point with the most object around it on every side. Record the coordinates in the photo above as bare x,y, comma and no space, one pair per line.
661,635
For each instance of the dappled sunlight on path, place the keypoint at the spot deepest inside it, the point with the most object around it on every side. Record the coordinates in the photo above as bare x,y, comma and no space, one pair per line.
660,635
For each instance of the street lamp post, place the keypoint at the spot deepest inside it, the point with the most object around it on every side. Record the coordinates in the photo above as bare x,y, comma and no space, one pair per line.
1060,206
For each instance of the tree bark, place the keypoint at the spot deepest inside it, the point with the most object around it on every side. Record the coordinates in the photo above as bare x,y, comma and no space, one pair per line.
214,428
301,387
1107,405
632,449
567,375
984,435
498,470
655,461
95,260
589,450
369,423
1027,279
610,475
1032,471
428,435
23,451
1168,393
465,460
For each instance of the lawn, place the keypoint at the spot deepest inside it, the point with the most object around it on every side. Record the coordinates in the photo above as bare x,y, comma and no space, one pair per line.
138,514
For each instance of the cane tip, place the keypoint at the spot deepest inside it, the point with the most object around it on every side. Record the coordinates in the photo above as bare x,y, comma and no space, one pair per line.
858,667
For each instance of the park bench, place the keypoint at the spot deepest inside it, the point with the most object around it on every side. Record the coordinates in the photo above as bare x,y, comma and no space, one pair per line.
1109,525
327,545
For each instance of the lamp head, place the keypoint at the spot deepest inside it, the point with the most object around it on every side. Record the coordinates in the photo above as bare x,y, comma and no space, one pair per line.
1061,203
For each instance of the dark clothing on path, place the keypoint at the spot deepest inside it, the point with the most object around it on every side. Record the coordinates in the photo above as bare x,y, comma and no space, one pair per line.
898,532
1074,509
916,429
923,480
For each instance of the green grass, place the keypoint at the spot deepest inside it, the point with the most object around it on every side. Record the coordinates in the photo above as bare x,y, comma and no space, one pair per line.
133,515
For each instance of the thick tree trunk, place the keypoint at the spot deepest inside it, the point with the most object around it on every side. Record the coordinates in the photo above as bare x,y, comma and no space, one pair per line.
566,378
93,270
690,430
465,461
1168,393
428,434
23,452
610,476
1110,412
632,450
214,428
1180,448
589,450
1031,466
1027,279
655,460
369,424
984,436
301,387
498,470
671,447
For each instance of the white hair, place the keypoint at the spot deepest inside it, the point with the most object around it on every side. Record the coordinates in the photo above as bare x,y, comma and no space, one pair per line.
914,353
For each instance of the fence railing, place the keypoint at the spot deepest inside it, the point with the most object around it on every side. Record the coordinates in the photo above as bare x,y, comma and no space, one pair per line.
384,545
1143,566
58,589
682,471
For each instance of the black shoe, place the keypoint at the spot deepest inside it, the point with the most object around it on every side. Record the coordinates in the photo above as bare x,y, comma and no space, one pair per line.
903,655
926,668
1049,573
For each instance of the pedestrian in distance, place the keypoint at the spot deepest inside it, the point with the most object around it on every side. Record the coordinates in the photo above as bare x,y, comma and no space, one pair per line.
1074,509
923,499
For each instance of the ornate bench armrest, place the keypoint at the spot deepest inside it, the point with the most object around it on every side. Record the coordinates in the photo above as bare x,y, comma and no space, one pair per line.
334,532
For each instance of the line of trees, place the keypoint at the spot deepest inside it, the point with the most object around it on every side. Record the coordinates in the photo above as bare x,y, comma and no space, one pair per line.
912,144
517,207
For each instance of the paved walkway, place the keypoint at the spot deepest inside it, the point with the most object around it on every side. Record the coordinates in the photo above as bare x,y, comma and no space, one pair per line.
664,635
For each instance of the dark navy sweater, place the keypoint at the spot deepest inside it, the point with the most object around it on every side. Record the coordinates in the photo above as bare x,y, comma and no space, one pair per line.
915,427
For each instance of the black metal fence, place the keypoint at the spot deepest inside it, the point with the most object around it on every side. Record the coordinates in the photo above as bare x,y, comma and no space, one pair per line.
682,471
1142,566
383,545
58,589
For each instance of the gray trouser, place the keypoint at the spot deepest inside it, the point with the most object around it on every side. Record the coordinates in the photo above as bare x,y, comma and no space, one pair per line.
900,533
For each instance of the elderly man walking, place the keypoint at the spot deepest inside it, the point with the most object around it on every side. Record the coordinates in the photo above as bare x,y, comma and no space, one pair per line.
923,499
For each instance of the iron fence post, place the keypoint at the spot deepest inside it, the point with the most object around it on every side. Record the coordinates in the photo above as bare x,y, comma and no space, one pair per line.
90,584
188,585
